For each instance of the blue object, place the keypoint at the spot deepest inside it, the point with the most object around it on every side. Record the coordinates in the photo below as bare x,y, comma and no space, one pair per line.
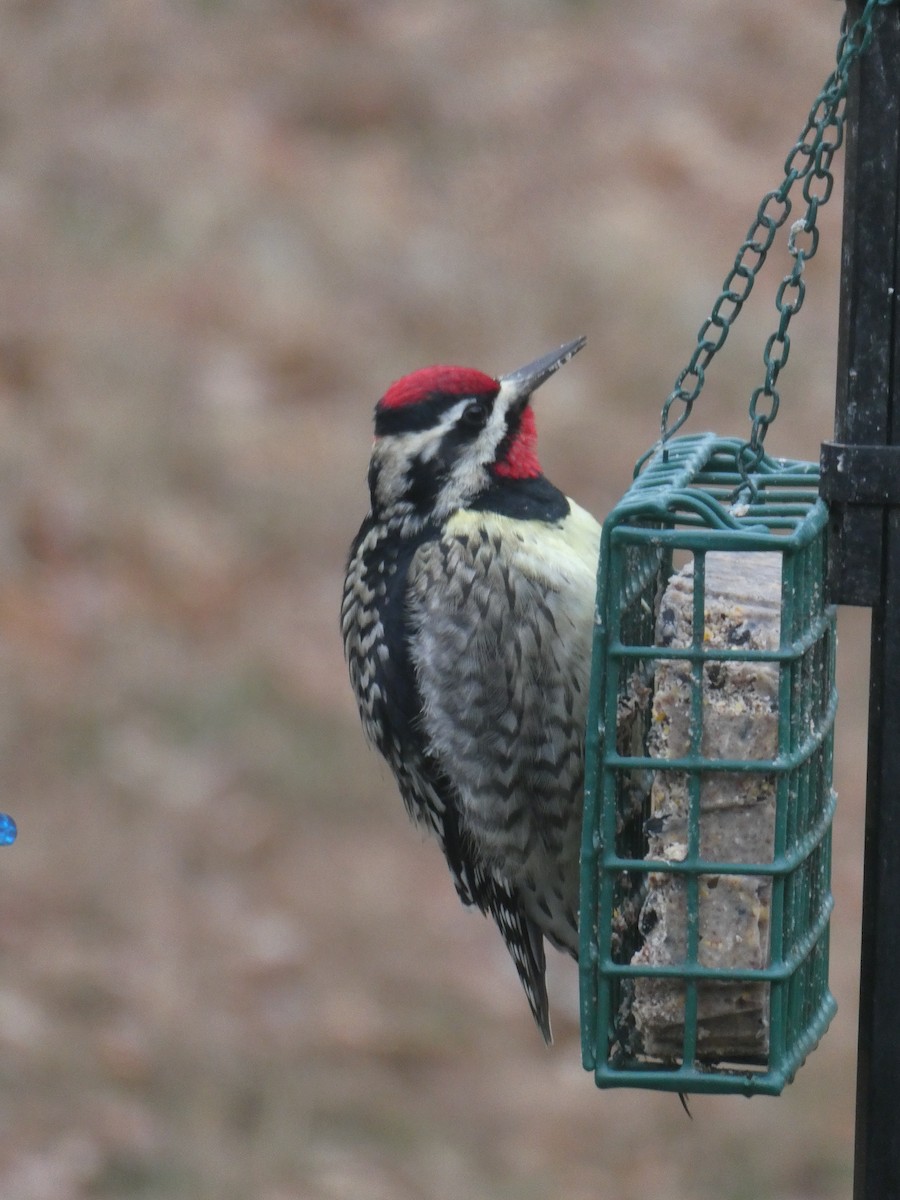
8,830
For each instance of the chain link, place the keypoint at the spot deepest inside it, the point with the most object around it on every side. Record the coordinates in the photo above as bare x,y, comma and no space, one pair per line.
810,161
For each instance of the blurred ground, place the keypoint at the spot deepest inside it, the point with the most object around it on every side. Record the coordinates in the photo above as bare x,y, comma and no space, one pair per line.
229,968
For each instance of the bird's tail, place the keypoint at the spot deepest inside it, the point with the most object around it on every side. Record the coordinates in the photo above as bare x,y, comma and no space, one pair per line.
525,943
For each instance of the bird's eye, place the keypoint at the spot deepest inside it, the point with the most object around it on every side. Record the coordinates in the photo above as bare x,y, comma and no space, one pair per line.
475,414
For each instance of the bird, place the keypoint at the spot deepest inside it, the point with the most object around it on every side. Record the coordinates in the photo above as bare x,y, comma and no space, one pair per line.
467,617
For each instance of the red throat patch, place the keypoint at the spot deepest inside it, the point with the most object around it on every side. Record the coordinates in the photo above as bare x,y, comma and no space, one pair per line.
521,461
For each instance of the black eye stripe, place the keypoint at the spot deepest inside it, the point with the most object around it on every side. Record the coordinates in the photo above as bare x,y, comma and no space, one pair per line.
412,418
424,414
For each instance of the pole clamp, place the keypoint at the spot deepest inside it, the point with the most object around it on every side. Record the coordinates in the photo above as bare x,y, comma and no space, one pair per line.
860,474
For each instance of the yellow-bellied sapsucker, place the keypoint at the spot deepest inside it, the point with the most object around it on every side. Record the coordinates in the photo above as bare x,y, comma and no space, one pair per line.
467,615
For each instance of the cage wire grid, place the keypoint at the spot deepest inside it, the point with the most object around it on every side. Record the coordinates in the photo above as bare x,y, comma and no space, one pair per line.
690,499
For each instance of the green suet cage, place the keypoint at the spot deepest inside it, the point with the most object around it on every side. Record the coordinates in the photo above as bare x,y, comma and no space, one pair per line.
705,883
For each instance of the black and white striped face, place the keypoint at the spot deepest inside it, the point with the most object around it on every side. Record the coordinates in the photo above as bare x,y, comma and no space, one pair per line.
444,435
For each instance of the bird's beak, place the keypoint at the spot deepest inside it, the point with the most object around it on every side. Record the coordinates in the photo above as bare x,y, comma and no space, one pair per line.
520,384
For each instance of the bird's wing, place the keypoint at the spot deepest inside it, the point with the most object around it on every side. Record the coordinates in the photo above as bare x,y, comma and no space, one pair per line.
426,788
479,885
499,635
500,664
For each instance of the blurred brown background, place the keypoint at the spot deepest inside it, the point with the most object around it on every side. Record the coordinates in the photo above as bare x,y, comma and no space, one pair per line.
230,970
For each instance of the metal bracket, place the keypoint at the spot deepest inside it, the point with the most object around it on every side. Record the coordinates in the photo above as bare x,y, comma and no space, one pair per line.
860,474
860,484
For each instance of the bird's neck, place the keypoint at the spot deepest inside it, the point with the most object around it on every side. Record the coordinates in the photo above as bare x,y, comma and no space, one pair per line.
518,459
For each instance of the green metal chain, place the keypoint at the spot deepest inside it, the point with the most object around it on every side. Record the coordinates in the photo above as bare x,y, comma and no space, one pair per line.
809,161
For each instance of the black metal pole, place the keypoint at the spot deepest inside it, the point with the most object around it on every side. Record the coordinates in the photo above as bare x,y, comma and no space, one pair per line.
861,475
